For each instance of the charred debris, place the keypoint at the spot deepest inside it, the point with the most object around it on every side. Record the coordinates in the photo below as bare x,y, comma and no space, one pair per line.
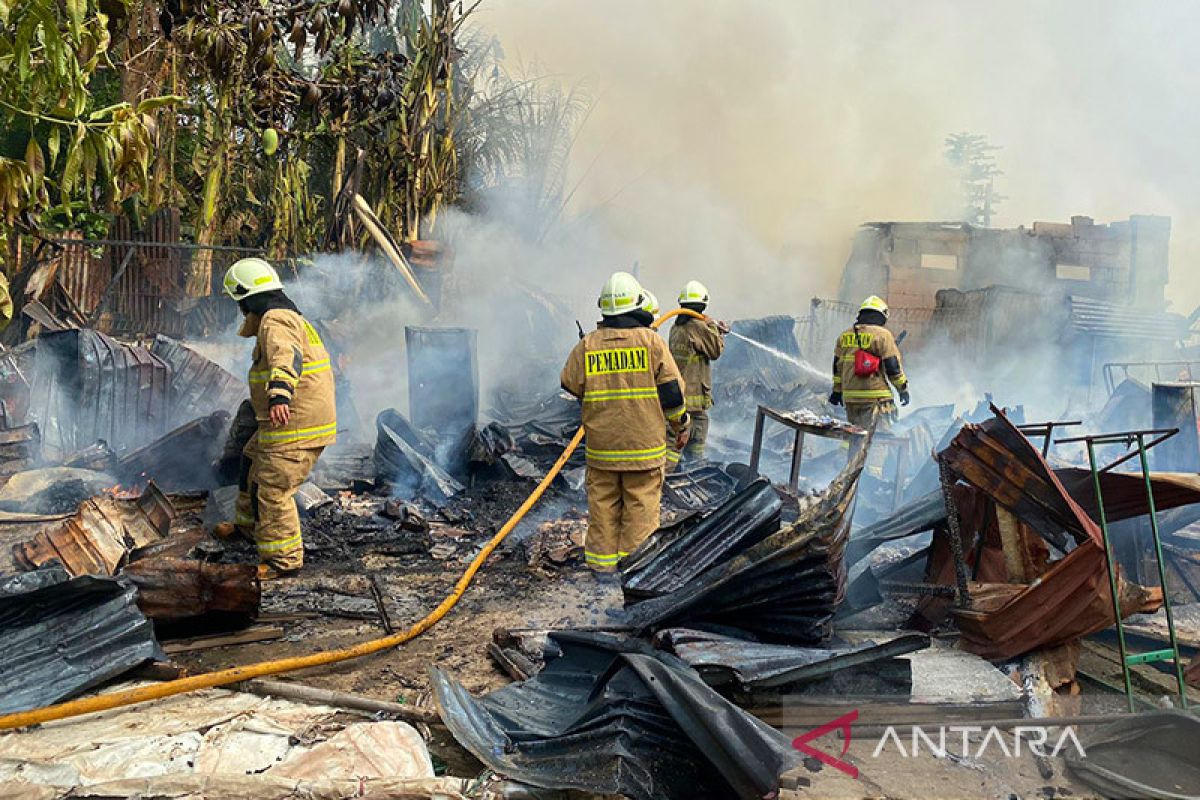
808,568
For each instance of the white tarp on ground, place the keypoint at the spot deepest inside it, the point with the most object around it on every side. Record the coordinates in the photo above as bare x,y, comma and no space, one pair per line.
200,744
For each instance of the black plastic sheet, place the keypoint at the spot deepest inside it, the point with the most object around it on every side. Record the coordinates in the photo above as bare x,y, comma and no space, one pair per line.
64,636
612,716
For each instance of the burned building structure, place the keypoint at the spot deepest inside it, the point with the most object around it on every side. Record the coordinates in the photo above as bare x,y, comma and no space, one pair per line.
1123,263
1095,292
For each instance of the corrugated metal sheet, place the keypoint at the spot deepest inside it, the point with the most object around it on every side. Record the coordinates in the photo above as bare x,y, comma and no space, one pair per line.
611,716
785,588
88,386
721,659
97,540
64,636
1125,493
1098,318
198,386
1070,599
739,523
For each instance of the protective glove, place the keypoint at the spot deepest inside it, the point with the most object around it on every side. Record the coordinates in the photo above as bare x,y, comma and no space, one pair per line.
904,398
723,326
682,430
835,398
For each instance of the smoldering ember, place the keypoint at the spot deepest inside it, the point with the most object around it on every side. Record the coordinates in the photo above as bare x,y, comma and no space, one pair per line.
668,401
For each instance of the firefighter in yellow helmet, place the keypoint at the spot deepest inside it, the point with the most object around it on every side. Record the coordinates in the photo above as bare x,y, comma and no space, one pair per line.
624,374
866,365
291,390
695,344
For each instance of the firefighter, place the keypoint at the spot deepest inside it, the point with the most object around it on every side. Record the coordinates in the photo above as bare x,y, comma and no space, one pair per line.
695,344
623,373
865,361
291,391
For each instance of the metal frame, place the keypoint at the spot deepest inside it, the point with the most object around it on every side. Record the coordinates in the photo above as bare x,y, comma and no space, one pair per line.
1046,430
803,428
1110,368
1129,438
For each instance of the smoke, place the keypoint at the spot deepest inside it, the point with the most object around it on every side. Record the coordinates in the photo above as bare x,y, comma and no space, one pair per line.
742,141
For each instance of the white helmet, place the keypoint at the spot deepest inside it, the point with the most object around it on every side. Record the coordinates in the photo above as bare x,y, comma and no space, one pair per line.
693,292
621,294
251,276
650,303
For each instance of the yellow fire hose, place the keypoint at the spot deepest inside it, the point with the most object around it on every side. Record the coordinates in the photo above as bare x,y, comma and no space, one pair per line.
209,680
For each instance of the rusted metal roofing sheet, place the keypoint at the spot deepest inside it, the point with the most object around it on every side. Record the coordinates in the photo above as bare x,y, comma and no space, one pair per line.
98,539
1125,493
1072,597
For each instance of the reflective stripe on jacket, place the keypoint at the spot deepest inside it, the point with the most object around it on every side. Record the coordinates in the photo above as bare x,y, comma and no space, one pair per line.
292,365
616,372
879,342
695,344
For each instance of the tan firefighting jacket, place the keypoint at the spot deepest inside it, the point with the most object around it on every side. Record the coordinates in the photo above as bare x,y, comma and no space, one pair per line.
628,383
878,341
291,365
695,344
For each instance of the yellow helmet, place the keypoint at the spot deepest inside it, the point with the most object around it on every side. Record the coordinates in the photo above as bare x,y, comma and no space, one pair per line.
693,292
650,302
251,276
875,303
621,294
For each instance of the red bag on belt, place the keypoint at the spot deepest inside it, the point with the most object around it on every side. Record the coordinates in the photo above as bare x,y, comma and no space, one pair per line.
865,364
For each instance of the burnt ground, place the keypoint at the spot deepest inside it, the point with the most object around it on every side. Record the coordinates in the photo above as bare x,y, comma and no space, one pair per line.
416,565
351,540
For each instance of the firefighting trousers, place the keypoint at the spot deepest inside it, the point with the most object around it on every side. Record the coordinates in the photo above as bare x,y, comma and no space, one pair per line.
881,414
266,502
694,449
622,512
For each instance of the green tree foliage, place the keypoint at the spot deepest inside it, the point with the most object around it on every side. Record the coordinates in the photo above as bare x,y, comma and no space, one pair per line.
63,150
975,160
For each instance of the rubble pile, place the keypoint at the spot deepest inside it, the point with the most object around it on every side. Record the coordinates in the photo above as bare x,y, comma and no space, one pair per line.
899,572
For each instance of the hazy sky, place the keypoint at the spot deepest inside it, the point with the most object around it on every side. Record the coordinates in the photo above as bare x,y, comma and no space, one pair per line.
761,133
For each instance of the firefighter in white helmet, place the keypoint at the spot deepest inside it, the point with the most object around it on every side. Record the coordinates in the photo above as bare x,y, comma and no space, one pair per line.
695,344
292,392
866,365
623,373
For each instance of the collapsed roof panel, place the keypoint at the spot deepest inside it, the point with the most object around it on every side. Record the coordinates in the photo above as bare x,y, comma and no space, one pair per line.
1070,599
610,715
198,386
65,635
87,386
784,589
1125,493
98,538
741,522
753,665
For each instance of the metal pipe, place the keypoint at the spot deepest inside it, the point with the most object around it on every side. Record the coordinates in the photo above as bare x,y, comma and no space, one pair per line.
1112,573
1162,572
